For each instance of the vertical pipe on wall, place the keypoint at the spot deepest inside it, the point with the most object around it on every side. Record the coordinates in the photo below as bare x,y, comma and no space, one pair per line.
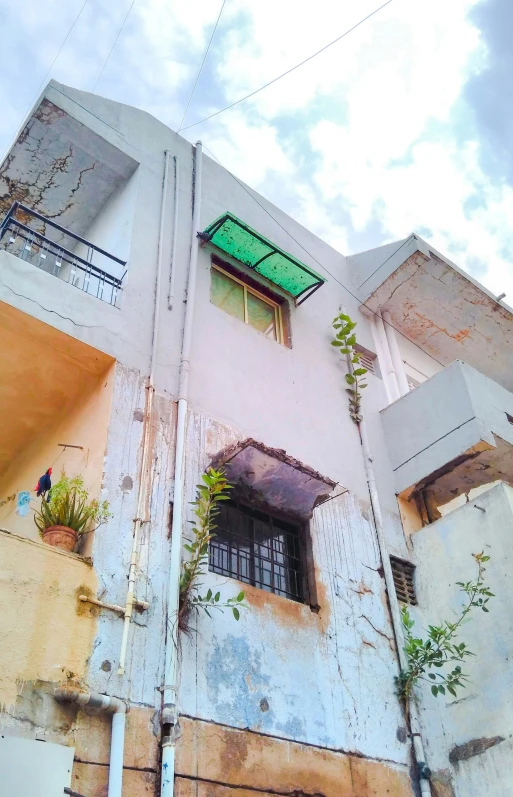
395,613
169,710
381,358
113,706
148,414
397,360
418,747
387,358
172,269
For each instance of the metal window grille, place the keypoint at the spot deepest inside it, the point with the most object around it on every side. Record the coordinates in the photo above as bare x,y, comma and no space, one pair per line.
403,573
259,549
367,359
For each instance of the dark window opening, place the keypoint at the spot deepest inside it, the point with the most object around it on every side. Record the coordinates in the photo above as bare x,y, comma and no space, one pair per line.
403,572
258,549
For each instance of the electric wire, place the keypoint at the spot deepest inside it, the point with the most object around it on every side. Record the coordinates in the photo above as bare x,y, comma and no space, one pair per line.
113,45
348,290
36,95
292,69
202,65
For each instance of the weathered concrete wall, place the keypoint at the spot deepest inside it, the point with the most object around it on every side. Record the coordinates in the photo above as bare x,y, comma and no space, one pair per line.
456,412
83,421
457,730
112,228
113,545
323,678
214,761
48,634
328,677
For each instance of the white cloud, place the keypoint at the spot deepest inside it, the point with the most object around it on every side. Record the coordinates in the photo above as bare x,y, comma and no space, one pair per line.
374,131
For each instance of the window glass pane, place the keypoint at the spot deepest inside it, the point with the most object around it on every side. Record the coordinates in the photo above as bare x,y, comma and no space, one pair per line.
261,316
227,294
257,549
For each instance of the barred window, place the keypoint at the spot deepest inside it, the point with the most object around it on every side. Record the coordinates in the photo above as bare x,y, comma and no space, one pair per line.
259,549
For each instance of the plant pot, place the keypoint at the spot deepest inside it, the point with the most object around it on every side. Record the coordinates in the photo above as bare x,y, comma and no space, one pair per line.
60,537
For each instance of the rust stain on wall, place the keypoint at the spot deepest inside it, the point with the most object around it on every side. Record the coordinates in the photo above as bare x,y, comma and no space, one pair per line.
241,762
287,612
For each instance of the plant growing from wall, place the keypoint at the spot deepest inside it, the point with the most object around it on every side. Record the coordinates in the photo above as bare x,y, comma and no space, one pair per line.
214,489
345,341
430,658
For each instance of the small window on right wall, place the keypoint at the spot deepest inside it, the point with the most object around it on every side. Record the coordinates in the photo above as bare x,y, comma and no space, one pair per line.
403,572
368,360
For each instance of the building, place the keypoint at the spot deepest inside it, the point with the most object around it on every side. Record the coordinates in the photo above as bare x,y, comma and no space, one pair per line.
137,354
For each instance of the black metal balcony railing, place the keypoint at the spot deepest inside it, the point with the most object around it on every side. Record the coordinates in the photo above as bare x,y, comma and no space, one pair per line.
36,247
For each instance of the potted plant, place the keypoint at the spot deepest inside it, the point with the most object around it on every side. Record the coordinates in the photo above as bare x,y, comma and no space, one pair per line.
67,512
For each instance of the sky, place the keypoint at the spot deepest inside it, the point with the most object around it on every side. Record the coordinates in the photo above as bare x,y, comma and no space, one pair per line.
405,125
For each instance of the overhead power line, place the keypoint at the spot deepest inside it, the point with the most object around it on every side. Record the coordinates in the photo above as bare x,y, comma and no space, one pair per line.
348,290
202,65
113,45
292,69
36,95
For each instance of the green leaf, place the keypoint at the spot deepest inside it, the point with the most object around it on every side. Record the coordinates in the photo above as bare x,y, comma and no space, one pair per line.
240,597
336,343
209,595
432,675
451,690
236,613
350,379
434,690
441,689
217,596
360,371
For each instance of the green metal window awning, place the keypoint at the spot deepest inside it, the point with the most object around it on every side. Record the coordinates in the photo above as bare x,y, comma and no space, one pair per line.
232,236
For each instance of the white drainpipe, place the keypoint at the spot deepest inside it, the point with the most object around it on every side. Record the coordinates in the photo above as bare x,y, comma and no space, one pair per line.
388,369
172,270
117,708
148,413
169,709
395,612
397,360
381,357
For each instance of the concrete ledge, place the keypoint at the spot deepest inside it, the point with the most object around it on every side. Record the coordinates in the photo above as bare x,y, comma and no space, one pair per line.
49,548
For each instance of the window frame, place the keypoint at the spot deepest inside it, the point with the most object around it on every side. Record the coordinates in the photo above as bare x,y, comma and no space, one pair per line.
278,320
303,596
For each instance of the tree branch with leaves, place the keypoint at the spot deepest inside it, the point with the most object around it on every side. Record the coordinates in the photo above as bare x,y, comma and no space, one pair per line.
441,649
345,341
215,488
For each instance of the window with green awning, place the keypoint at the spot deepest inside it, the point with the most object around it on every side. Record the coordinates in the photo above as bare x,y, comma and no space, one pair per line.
241,242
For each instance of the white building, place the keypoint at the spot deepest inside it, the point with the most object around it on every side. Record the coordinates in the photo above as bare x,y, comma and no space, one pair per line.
124,331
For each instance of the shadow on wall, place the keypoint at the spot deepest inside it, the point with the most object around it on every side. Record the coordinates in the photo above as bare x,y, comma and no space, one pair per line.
55,405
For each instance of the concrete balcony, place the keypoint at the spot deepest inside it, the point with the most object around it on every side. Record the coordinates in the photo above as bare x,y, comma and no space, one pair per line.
451,434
